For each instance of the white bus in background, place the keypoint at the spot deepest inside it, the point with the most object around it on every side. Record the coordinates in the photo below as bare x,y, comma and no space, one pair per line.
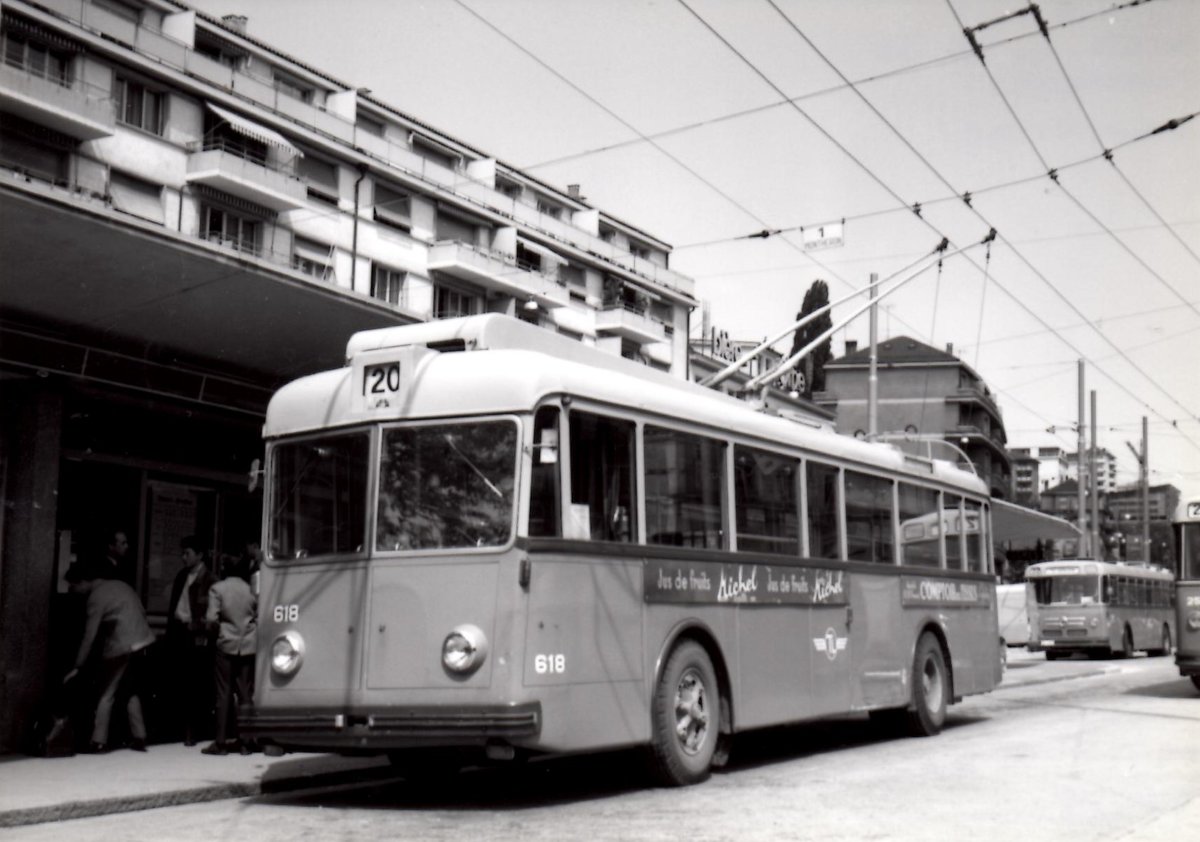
1012,613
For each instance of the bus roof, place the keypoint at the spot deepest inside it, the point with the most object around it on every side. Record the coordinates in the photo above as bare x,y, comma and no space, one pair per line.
480,372
1090,566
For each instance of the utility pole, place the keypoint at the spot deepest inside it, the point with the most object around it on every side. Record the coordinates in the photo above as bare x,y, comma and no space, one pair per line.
1144,484
873,367
1082,509
1097,549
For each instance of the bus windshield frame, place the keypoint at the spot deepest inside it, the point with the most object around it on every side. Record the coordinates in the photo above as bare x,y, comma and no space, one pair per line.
1072,589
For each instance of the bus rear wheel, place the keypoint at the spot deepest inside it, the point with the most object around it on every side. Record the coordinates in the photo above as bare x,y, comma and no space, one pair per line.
685,717
1127,649
930,689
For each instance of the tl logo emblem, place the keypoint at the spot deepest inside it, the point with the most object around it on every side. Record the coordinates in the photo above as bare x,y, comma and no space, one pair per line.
830,644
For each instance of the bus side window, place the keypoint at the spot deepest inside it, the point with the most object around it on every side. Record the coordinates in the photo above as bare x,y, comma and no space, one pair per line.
544,488
1109,590
685,480
602,478
869,528
952,516
821,483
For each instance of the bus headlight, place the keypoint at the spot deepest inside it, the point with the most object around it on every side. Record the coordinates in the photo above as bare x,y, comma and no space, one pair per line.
1194,620
1095,622
287,652
464,649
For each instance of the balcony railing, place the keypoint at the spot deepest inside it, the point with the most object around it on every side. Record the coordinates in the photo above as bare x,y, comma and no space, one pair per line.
173,53
43,96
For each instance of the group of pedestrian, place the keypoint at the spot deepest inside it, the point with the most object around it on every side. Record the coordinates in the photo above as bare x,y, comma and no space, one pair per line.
211,631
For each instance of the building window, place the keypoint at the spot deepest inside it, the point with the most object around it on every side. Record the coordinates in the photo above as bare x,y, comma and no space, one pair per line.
36,58
320,178
230,229
451,303
29,148
292,87
139,106
549,209
313,259
136,197
454,227
389,285
392,209
437,153
370,125
639,250
123,10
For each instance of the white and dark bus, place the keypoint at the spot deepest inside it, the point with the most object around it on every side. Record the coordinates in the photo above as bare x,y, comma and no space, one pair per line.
483,539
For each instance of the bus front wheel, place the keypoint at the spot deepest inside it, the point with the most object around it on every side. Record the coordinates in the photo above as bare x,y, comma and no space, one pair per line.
685,717
930,689
1196,681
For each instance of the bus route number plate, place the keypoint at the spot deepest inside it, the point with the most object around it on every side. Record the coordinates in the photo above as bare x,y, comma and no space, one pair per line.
381,384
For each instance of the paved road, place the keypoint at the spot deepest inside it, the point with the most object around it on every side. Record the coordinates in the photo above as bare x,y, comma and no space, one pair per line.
1076,750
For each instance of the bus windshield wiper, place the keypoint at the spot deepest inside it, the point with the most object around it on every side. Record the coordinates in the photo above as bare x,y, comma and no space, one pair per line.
450,441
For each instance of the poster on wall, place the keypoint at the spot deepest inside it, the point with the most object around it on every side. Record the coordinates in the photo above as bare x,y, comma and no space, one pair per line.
174,512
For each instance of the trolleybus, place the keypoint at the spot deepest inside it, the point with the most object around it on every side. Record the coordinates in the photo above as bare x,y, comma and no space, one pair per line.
1099,608
483,537
1187,589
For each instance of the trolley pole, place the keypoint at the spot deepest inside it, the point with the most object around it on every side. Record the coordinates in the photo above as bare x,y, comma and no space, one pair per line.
1146,487
873,373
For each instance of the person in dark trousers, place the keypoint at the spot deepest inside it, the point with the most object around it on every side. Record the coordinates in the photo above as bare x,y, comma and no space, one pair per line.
232,611
115,625
189,641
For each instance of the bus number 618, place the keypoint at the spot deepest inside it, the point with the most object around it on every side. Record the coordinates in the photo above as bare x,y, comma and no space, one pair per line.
543,664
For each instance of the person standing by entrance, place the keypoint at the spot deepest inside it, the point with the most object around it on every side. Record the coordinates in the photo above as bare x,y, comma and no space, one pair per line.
116,624
115,564
189,641
232,608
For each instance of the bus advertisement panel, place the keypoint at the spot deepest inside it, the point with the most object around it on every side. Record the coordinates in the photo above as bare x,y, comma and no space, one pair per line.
490,542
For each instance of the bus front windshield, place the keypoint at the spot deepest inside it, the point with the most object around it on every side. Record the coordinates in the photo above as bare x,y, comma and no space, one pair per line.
446,486
1067,590
319,496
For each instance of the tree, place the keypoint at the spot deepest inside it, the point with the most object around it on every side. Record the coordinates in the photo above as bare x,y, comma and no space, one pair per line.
813,364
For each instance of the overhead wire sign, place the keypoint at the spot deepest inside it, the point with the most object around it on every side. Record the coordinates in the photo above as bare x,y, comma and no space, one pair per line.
823,236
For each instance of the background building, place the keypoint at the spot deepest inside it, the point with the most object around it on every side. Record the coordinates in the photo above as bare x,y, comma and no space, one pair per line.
927,394
188,219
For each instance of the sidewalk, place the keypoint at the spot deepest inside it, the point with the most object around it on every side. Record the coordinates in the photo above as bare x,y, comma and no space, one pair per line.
40,789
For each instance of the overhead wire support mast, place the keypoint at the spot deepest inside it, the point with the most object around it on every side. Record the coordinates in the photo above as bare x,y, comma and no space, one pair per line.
766,377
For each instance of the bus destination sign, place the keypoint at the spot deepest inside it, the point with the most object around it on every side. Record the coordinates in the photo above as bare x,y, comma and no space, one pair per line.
719,583
925,590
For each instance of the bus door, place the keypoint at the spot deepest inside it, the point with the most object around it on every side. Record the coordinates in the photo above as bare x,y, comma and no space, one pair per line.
830,627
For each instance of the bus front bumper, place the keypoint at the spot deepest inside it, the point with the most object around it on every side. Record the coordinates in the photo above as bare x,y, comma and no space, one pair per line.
374,730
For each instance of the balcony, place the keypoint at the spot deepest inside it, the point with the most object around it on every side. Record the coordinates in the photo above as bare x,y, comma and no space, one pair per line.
71,108
223,167
629,323
495,272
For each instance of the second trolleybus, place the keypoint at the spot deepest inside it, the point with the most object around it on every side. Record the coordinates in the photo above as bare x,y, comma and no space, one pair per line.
482,537
1100,608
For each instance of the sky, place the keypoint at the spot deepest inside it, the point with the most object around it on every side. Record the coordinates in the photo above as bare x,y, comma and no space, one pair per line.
704,121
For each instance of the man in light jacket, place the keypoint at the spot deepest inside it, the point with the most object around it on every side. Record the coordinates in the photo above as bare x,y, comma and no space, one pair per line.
232,611
116,623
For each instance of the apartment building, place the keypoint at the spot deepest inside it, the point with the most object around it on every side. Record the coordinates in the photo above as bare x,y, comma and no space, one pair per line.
926,394
188,219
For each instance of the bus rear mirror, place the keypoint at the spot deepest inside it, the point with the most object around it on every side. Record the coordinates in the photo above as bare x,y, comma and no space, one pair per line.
255,473
547,446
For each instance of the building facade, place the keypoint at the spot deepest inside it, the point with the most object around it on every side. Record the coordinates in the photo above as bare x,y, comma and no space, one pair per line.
926,394
190,218
1106,469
